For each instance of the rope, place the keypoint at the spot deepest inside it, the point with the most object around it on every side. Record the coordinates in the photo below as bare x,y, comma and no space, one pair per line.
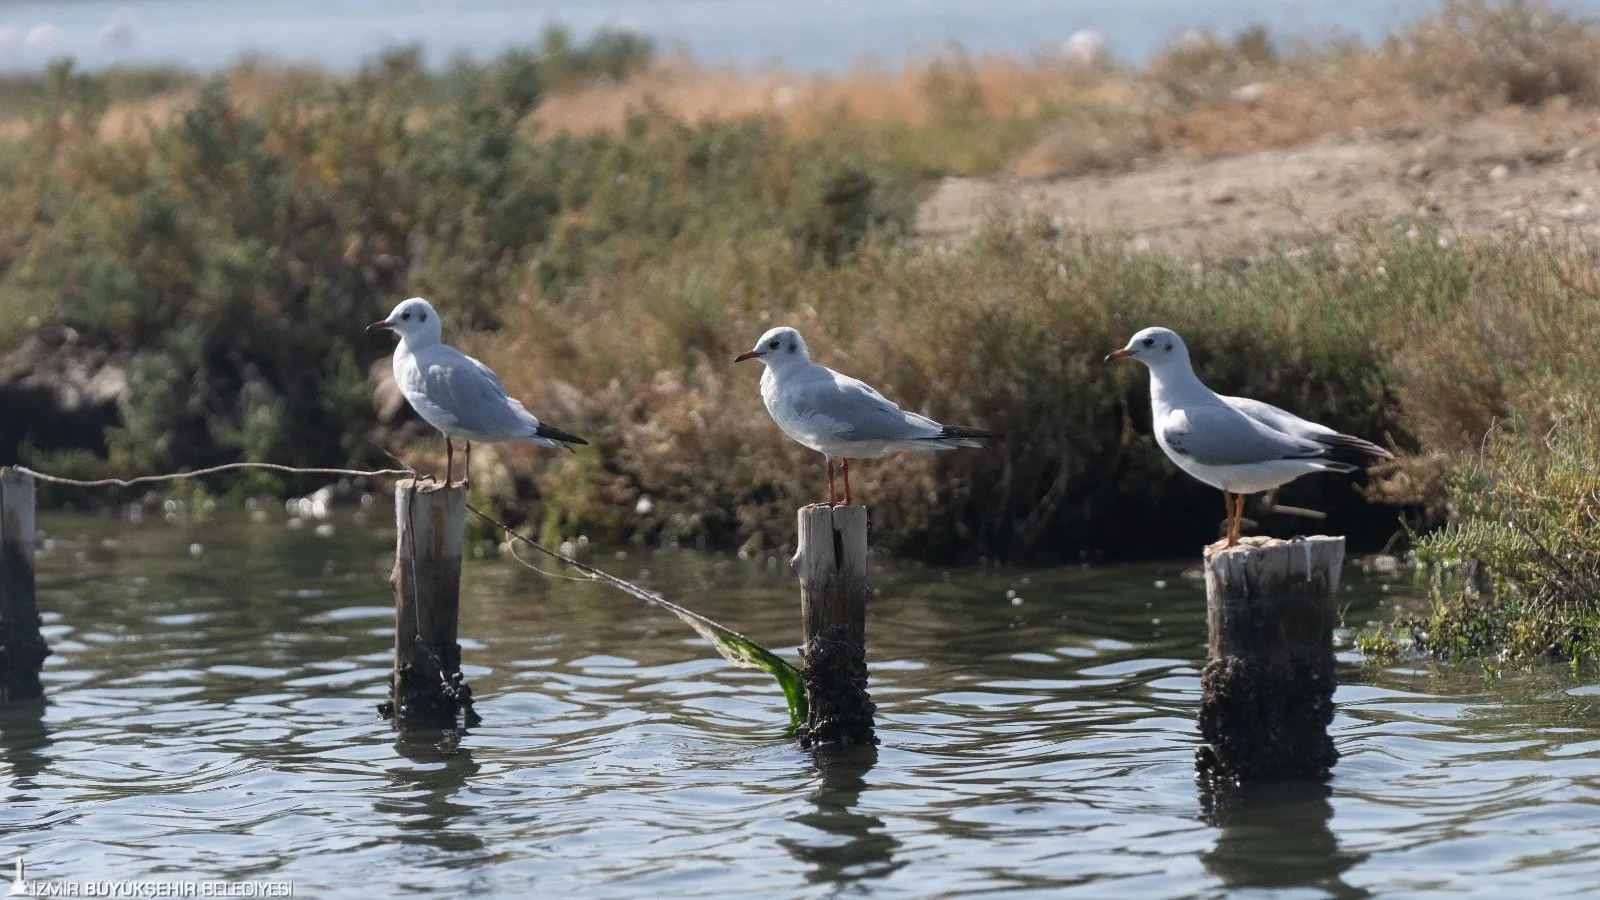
734,647
512,549
175,476
717,634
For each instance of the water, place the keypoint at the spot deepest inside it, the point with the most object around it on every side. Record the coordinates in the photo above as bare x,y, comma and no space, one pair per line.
818,35
211,716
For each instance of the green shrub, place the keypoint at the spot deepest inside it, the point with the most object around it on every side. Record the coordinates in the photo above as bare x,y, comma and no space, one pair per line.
1517,573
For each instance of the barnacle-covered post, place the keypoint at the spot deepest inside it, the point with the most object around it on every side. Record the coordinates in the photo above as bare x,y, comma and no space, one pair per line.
22,647
1267,688
426,688
832,562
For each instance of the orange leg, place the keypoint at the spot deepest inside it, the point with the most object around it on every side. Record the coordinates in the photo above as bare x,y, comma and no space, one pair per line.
1238,520
831,501
845,465
466,467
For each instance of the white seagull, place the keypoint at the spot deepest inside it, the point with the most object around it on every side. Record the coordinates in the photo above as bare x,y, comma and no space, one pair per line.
455,393
1235,444
838,416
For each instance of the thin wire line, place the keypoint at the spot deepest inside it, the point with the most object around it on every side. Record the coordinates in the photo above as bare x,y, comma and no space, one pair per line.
175,476
512,549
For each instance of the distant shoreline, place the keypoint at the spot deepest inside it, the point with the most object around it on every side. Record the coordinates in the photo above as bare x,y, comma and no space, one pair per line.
749,35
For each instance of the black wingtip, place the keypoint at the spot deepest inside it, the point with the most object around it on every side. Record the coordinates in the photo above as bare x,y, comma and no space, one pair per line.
550,432
1355,451
976,434
967,437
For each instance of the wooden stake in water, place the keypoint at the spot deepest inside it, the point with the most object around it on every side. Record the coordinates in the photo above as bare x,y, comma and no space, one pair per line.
426,688
1267,689
832,562
22,648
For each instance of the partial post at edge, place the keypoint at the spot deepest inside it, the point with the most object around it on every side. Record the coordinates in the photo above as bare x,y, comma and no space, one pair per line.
426,687
1267,688
832,563
22,647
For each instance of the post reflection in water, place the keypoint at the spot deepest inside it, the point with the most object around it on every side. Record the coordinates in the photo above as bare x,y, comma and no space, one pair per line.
1276,835
24,740
442,769
851,846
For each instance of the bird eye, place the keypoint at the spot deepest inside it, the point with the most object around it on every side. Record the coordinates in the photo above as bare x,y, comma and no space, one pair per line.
405,315
774,344
1149,342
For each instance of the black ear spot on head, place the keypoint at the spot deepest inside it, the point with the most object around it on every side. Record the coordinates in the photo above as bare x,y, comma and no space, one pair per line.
1169,346
423,317
793,347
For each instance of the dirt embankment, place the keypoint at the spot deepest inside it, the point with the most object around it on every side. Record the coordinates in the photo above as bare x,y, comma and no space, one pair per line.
1513,170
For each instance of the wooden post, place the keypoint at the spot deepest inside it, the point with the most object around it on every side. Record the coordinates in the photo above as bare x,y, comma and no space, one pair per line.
426,687
832,562
1267,689
22,648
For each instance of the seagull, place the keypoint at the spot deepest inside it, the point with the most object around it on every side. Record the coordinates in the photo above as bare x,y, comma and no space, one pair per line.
1238,445
840,417
455,393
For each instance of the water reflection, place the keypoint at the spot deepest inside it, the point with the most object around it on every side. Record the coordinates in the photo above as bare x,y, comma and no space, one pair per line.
851,846
1276,835
24,742
426,799
211,712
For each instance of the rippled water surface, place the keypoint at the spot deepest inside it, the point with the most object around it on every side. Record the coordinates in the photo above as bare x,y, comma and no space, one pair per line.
211,715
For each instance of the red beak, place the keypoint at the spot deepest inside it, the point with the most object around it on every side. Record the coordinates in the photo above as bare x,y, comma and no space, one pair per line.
381,323
748,354
1124,353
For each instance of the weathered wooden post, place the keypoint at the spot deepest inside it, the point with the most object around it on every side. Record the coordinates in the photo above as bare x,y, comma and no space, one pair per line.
426,688
22,648
832,562
1267,688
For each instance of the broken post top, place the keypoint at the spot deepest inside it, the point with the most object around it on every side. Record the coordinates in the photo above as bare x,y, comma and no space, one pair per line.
1270,567
831,538
1260,542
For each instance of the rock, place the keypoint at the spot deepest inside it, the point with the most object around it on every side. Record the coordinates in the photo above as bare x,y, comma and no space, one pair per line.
57,393
1381,563
1085,48
1500,172
1250,94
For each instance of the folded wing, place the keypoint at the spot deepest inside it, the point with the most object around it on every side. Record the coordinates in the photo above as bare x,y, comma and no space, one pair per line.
1219,435
472,396
1344,447
849,410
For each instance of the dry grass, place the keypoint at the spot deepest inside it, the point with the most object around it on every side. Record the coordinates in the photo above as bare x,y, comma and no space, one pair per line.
912,95
1048,115
1484,54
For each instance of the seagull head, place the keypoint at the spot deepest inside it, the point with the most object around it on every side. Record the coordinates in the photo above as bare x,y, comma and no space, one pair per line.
779,348
414,320
1155,347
